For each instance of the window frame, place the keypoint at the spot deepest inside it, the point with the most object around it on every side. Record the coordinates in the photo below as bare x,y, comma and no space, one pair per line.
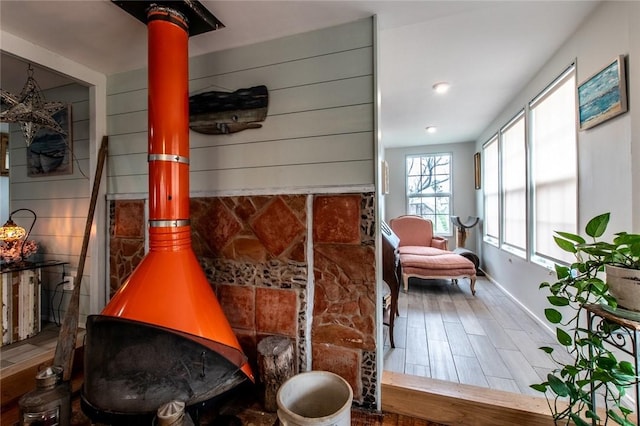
435,195
504,245
531,253
494,240
536,257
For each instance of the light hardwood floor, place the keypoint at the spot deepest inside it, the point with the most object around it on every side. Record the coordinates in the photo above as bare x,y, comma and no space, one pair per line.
487,340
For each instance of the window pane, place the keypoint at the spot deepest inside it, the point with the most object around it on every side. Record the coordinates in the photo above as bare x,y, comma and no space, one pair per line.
491,194
514,182
442,219
413,183
554,167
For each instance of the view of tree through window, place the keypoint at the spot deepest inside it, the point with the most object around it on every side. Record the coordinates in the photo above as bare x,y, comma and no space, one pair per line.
429,189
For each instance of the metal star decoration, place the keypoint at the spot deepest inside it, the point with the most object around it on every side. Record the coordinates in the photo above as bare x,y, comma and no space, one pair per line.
30,109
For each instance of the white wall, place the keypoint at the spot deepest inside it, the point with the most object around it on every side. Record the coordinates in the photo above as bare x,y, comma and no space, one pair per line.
319,132
609,170
462,178
633,77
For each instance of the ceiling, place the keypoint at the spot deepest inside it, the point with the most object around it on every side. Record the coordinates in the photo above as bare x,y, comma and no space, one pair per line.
486,50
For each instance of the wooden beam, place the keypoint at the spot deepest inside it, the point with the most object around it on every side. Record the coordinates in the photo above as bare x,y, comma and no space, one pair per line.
461,405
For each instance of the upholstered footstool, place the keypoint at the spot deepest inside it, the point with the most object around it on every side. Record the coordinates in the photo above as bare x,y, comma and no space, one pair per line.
444,265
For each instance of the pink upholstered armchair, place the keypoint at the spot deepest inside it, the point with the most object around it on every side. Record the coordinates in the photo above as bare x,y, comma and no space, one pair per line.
416,231
425,256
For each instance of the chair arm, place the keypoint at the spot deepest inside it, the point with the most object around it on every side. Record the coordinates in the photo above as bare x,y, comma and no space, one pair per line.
439,242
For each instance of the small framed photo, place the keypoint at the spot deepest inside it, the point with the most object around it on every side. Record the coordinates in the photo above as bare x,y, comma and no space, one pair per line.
477,175
603,95
4,154
385,176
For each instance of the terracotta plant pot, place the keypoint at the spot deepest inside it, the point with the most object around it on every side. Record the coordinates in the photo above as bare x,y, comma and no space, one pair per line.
624,285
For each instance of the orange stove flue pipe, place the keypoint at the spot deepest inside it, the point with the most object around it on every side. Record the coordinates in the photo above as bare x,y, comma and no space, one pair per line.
168,288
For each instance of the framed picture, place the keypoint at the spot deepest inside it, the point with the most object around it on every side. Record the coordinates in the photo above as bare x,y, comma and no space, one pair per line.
4,154
385,176
603,95
51,152
476,170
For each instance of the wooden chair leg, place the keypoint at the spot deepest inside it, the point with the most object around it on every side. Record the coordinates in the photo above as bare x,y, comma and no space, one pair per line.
473,285
393,313
405,280
391,324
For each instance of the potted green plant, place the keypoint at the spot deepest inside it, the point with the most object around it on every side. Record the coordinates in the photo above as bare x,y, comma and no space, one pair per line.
594,364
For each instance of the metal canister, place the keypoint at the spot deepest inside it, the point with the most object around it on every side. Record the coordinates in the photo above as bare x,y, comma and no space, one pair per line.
173,414
49,404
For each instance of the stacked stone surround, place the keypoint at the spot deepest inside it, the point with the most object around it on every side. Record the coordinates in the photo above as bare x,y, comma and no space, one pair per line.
126,240
270,257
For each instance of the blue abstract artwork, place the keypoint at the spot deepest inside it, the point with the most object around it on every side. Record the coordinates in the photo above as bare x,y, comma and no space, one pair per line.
603,96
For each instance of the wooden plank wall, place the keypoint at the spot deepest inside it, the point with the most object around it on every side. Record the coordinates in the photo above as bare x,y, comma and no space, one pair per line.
319,131
61,202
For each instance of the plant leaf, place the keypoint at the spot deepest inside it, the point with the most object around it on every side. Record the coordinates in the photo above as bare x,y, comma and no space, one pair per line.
562,271
565,245
563,337
571,370
546,349
557,385
606,363
619,419
596,226
553,316
539,387
625,410
572,237
590,414
577,420
627,368
558,301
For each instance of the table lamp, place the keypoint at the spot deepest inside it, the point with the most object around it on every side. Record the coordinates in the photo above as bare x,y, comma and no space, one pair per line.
12,232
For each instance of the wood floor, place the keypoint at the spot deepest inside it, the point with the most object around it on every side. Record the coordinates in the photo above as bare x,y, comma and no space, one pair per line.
487,340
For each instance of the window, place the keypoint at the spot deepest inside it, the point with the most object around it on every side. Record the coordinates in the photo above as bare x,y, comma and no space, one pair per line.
514,186
490,183
554,166
530,174
429,189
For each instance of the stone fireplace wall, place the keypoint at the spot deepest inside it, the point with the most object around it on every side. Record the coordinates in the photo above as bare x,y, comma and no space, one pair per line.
126,240
300,266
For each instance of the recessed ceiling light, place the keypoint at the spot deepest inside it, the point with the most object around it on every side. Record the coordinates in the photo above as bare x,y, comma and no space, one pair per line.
431,129
441,87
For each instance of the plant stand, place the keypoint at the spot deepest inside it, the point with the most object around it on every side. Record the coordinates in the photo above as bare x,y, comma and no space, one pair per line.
626,338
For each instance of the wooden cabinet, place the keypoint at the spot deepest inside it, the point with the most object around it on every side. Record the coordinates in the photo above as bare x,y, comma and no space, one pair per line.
20,290
20,305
